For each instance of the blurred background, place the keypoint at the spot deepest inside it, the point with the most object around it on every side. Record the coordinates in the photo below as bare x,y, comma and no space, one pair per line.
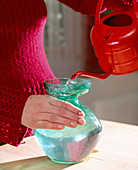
68,49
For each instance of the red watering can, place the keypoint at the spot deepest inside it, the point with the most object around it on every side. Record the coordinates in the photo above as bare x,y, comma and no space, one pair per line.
115,40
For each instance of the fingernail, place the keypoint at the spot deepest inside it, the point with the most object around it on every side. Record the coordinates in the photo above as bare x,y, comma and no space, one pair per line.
73,124
81,121
80,113
60,126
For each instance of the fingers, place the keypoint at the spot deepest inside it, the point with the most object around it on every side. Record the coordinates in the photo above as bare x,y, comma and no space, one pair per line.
65,112
50,113
54,118
71,114
65,115
48,125
66,105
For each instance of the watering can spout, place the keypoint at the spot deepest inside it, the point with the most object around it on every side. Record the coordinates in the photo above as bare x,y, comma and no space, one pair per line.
91,75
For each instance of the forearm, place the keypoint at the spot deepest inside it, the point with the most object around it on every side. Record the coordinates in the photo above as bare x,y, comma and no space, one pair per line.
83,6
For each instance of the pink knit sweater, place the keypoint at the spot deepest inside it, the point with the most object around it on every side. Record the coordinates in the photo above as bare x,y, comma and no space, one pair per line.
23,63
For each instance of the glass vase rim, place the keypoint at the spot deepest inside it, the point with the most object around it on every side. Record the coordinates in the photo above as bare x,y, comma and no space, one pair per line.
82,81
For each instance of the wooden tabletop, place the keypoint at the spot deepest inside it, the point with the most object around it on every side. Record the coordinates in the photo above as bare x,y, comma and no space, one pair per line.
116,150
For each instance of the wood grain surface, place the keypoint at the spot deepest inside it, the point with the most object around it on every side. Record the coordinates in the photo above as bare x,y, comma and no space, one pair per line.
116,150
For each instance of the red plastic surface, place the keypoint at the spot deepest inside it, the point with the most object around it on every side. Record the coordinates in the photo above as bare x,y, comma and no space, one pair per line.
115,40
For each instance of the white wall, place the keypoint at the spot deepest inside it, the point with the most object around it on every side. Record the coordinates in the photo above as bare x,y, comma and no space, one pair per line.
115,98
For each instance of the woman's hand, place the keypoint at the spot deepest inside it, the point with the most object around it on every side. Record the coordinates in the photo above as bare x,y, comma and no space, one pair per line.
46,112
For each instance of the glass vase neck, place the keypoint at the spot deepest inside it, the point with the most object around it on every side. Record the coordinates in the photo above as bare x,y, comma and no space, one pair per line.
60,89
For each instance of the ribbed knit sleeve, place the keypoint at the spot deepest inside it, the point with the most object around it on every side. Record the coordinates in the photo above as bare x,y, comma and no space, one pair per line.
12,102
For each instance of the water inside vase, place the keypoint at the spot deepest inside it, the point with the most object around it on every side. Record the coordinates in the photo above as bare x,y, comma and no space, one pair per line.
68,149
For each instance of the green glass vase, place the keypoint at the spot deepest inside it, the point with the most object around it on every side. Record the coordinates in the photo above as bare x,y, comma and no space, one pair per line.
70,145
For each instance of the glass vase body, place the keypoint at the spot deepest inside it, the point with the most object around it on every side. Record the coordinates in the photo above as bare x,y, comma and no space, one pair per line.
70,145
